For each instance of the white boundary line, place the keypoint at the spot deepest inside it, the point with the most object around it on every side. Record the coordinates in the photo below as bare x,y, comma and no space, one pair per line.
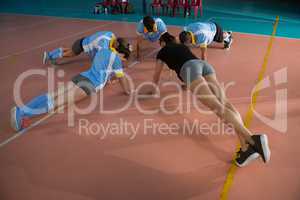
15,136
241,19
35,124
282,19
54,41
18,134
28,26
176,26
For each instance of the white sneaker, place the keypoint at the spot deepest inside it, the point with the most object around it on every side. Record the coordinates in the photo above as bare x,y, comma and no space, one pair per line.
45,57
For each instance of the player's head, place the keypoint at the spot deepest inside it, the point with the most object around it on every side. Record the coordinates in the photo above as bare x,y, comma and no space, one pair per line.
149,24
166,38
123,47
185,37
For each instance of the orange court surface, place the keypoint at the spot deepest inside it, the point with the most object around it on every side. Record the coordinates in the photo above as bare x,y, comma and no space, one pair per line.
52,160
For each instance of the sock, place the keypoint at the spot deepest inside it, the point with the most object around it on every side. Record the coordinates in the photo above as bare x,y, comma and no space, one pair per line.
39,105
56,53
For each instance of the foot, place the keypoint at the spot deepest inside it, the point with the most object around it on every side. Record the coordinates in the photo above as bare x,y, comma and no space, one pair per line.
228,41
17,119
261,146
229,33
246,157
227,44
46,58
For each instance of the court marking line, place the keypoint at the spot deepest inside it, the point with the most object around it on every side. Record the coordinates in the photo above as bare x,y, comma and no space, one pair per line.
241,19
262,16
22,132
47,116
54,41
28,26
176,26
249,116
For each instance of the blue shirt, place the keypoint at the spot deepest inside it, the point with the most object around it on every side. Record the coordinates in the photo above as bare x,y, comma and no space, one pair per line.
105,63
153,36
102,39
204,32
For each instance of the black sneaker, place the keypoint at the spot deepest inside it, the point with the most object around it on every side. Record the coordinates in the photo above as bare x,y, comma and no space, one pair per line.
244,158
229,33
261,146
228,42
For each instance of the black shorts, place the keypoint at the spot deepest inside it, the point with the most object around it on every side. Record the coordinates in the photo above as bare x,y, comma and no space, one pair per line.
219,34
77,47
84,83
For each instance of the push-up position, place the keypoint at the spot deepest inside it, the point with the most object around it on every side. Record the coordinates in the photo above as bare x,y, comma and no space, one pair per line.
202,34
105,63
89,45
201,79
149,29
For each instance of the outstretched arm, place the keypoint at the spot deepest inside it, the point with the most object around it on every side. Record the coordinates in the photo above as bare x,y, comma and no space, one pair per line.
203,53
156,77
157,72
124,82
138,46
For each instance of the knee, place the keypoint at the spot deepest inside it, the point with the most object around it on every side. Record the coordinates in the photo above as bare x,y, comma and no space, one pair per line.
214,106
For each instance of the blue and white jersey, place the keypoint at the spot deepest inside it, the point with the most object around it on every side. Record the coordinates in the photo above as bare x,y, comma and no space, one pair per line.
99,40
152,36
203,32
105,64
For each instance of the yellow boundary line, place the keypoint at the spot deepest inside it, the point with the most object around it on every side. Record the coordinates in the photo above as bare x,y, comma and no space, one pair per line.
249,115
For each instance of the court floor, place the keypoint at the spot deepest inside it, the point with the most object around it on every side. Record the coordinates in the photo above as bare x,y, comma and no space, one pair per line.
54,161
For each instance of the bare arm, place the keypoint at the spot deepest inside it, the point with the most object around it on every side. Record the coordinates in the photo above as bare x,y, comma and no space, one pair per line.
156,77
138,44
158,69
203,53
124,82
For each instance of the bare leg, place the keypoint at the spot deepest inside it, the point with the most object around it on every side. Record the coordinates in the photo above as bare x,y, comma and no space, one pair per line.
67,52
68,95
219,92
201,88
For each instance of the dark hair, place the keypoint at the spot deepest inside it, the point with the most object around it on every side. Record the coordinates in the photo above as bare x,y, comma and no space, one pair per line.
183,36
123,47
149,23
167,38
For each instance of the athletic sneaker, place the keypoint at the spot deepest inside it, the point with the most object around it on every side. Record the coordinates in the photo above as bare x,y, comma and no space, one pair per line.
244,158
228,40
228,43
45,57
261,146
16,119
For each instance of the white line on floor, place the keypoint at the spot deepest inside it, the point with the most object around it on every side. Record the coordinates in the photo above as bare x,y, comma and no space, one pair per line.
53,41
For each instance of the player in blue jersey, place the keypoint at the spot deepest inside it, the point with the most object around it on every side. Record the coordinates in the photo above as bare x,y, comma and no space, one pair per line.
149,29
89,45
202,34
106,62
